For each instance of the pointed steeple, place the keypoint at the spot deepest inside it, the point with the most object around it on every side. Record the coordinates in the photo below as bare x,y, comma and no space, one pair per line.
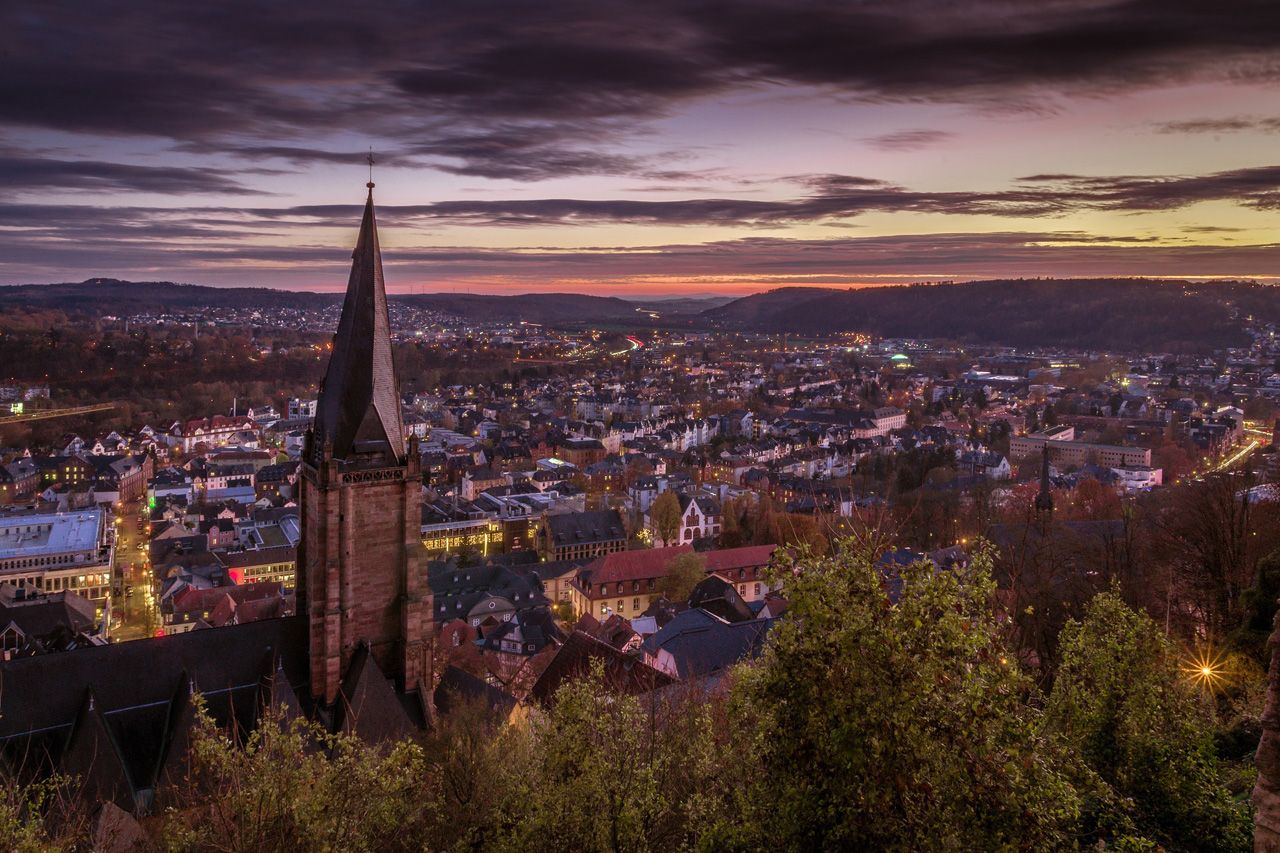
1044,500
358,413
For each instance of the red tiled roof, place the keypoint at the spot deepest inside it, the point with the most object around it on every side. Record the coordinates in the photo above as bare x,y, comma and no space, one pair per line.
739,558
634,565
652,562
190,600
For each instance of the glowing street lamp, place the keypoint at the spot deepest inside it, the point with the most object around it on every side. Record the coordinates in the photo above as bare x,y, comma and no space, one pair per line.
1207,670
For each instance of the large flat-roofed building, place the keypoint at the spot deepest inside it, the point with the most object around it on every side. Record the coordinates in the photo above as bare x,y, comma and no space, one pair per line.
56,552
1069,452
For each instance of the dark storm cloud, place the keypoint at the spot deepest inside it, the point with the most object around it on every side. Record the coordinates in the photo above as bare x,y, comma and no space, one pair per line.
936,50
834,198
123,239
826,199
298,155
1232,124
750,261
38,173
455,82
523,153
908,140
1253,187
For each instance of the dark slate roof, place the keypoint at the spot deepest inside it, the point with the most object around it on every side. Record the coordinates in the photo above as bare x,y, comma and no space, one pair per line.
459,685
46,620
688,619
719,597
705,647
174,758
584,528
533,629
93,756
136,690
358,408
369,706
623,672
457,589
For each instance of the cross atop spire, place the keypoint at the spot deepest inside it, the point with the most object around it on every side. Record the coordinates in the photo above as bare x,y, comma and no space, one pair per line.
358,413
370,184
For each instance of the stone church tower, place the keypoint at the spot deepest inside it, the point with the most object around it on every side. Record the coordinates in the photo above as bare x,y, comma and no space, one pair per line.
362,567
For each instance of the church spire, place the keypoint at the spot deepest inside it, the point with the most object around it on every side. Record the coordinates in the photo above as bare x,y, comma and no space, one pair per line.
358,414
1044,500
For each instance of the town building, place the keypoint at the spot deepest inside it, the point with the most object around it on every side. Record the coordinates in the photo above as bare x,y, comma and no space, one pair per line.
627,583
57,552
34,622
277,564
1068,452
574,535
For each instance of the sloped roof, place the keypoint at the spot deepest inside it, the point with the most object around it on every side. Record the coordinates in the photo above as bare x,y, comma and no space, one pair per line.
585,528
133,685
458,685
732,559
623,672
44,614
173,766
359,405
368,706
704,649
93,756
633,565
719,597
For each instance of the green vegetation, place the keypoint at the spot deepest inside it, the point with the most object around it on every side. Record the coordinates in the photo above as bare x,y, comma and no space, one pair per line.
665,513
869,723
899,726
684,572
1122,705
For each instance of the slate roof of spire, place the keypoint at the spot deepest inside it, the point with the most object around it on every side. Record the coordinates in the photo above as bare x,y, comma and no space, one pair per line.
359,407
369,706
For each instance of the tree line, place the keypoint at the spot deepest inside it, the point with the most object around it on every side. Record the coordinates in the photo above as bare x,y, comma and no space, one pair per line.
876,718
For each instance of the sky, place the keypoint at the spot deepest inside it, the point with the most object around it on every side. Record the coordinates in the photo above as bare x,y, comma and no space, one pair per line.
639,148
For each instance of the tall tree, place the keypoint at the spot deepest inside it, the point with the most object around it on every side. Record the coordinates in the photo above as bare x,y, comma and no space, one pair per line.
898,725
684,572
1122,704
665,514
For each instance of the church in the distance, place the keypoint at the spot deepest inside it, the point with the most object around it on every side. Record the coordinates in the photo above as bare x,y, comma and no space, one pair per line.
357,657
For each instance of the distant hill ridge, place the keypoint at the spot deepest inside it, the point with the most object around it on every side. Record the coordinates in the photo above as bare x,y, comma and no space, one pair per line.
113,296
1093,313
1130,314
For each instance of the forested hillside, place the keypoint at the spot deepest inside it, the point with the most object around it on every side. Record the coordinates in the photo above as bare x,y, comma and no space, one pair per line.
1099,313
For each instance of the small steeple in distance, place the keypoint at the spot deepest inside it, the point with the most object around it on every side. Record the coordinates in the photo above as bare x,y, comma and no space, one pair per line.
358,413
1044,499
